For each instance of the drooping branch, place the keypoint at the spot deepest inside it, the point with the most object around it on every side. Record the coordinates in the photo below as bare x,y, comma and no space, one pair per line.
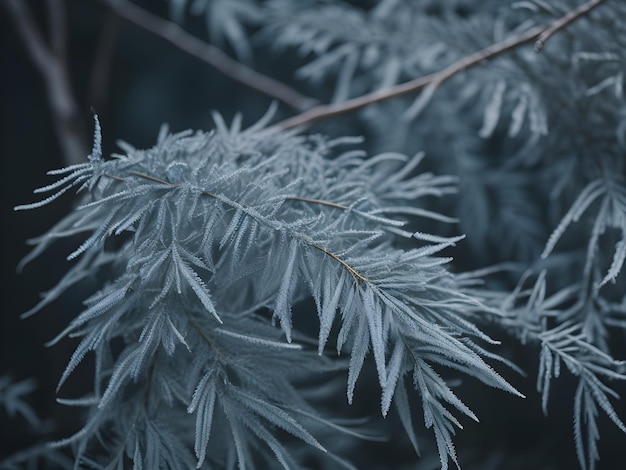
210,54
50,60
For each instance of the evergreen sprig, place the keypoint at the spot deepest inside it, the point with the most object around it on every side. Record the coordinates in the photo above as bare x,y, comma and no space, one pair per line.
215,228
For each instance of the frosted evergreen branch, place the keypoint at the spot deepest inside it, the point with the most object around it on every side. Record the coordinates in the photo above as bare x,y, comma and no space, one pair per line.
205,217
210,54
50,61
593,368
542,319
610,191
564,22
328,253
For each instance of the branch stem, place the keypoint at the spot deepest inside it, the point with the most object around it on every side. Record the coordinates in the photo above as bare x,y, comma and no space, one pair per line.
357,276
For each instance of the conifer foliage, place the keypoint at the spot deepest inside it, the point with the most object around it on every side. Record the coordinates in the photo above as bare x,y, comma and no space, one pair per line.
253,279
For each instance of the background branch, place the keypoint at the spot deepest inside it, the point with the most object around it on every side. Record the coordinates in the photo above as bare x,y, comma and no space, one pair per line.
51,64
434,80
210,54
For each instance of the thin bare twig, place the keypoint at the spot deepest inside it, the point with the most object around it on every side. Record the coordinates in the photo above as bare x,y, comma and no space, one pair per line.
210,54
434,80
50,61
564,22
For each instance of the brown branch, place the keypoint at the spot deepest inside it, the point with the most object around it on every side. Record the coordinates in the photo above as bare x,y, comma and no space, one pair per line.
564,22
210,54
50,62
434,80
355,274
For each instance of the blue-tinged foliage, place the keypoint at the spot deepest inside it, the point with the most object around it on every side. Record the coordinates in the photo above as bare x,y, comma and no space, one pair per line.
247,282
216,227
